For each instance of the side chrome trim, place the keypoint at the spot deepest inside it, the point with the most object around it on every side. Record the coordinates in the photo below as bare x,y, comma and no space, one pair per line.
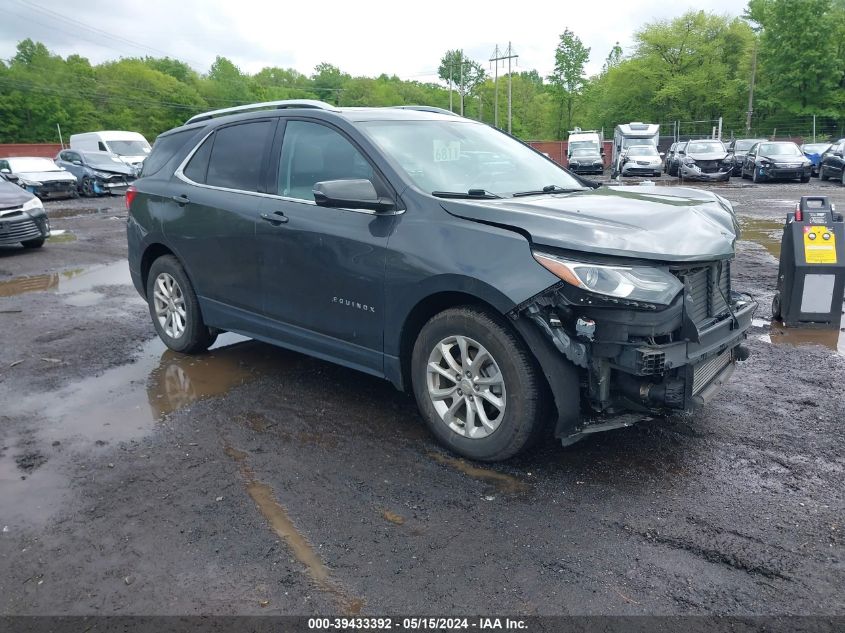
180,174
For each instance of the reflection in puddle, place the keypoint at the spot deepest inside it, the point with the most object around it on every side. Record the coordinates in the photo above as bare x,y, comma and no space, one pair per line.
833,339
280,522
69,281
506,484
765,232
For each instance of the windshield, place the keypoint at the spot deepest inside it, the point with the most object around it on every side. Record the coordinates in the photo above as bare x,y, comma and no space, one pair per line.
744,146
816,148
129,148
586,151
460,155
574,146
779,149
97,159
24,165
643,150
631,142
710,147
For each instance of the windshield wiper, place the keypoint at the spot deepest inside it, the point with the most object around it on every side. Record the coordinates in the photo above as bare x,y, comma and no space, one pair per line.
468,195
548,189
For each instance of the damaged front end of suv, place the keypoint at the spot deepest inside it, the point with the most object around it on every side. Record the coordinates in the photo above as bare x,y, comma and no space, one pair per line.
644,308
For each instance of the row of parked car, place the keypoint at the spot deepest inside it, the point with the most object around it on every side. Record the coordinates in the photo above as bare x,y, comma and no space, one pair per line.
757,159
70,174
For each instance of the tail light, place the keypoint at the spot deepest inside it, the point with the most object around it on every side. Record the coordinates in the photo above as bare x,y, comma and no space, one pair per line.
799,214
131,191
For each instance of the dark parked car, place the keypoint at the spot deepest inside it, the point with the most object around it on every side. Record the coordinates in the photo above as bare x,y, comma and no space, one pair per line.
22,217
669,153
832,164
444,256
586,160
40,176
813,152
97,173
705,160
674,158
738,148
775,160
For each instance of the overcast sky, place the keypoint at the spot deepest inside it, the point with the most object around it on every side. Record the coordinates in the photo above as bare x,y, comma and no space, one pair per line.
402,38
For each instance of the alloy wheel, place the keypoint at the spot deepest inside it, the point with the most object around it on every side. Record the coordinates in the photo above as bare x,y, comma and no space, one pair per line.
466,387
169,304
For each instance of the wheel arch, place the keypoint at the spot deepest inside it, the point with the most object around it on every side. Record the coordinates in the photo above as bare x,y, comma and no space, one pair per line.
151,253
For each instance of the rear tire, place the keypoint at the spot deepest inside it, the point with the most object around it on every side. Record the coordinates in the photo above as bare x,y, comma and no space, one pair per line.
36,243
499,408
776,316
843,177
174,308
805,179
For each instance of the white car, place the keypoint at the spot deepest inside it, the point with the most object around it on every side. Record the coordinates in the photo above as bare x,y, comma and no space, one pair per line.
40,176
642,160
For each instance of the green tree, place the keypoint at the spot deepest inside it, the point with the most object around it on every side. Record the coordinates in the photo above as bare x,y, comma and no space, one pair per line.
801,57
462,73
568,78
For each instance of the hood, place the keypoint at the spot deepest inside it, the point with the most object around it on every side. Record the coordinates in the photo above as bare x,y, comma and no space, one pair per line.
709,156
11,195
586,157
671,224
133,160
123,170
781,159
45,176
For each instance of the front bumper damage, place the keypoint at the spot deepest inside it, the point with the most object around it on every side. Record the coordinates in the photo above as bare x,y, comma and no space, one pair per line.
115,185
633,363
695,172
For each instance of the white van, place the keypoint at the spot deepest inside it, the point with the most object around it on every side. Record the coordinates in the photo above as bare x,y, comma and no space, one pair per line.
130,147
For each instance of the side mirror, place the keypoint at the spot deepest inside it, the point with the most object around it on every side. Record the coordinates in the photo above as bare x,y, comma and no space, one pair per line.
662,153
77,162
6,170
839,154
350,194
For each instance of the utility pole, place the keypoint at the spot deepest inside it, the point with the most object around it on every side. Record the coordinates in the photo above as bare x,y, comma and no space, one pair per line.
508,55
495,61
450,87
751,90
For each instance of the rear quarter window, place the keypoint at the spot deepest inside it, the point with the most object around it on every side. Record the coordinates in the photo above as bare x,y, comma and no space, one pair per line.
164,149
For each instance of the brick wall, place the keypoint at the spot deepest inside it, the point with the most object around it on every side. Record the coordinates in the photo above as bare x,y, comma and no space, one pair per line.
45,150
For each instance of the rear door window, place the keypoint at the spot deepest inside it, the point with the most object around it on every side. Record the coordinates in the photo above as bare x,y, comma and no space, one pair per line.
238,155
312,153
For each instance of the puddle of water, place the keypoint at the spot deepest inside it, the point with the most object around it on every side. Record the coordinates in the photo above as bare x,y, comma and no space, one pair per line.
765,232
396,519
70,281
84,299
58,237
832,339
506,484
277,517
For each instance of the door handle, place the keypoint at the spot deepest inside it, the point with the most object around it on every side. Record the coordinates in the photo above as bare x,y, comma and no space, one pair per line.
181,200
276,218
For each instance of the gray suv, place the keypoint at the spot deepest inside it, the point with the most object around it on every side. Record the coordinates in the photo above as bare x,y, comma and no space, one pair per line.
507,294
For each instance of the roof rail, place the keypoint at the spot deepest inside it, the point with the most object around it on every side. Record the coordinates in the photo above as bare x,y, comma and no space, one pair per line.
424,108
266,105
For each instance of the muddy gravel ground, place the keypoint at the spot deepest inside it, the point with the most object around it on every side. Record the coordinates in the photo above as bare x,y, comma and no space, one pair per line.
253,480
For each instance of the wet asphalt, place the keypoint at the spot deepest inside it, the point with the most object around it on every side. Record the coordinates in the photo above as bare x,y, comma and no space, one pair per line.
253,480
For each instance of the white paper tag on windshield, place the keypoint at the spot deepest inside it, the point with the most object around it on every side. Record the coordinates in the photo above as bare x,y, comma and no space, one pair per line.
444,150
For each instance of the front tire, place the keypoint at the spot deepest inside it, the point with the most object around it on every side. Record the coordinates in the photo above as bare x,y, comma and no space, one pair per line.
755,176
87,188
822,173
174,308
476,385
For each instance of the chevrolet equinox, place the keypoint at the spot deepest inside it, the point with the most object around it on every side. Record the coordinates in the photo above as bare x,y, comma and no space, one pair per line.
509,295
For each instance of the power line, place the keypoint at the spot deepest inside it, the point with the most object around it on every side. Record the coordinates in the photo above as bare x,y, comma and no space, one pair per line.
507,55
64,19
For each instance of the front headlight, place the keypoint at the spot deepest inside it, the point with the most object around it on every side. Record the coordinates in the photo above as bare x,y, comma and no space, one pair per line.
636,283
32,205
689,161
